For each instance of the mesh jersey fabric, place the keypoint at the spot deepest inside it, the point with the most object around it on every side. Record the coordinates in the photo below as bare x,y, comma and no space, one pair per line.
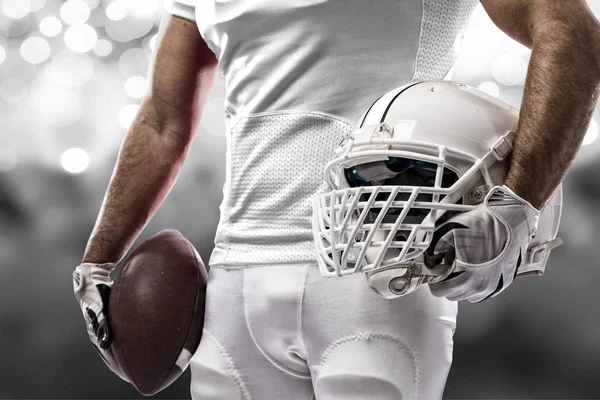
298,74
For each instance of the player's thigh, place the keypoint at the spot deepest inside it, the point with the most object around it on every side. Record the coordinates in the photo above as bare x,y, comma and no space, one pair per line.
227,364
364,346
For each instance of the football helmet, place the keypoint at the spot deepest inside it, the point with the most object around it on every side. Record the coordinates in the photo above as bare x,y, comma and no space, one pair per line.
419,155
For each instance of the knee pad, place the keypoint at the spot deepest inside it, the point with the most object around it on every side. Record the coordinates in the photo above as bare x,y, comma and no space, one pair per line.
214,375
368,365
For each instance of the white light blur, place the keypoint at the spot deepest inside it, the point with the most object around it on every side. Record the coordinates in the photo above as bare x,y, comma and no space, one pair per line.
92,4
13,28
213,120
127,115
136,87
16,9
140,8
592,133
37,5
81,38
135,24
510,69
14,67
5,23
75,160
50,26
75,12
133,62
115,11
490,88
72,70
103,48
2,54
35,50
8,160
56,105
153,42
13,90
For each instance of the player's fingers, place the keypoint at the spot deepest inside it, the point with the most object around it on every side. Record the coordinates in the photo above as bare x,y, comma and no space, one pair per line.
448,286
458,296
103,335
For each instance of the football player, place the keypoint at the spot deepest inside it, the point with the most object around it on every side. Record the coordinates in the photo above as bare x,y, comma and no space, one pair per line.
298,75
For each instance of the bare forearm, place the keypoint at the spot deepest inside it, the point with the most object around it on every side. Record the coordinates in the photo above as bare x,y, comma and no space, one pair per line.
147,167
561,91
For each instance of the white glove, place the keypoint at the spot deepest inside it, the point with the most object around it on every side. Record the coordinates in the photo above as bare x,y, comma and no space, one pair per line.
488,244
92,284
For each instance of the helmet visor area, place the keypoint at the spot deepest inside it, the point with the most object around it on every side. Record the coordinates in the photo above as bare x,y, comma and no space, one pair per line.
387,214
398,171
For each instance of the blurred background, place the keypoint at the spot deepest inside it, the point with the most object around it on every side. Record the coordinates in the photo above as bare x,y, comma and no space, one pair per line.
72,74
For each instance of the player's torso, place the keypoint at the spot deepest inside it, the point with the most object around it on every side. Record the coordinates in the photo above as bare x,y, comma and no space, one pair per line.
298,74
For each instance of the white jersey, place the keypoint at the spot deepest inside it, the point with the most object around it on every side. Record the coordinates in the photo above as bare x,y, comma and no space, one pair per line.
298,74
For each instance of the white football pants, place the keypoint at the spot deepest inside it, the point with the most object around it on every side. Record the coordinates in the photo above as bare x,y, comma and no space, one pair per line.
286,333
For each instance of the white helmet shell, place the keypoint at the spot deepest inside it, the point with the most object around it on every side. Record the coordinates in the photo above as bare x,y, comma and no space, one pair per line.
451,129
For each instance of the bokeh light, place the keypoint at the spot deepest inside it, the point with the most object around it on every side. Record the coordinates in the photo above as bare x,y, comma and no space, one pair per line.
92,4
490,88
133,62
16,9
75,160
5,23
136,87
37,5
2,54
510,69
13,90
592,133
35,50
56,105
214,126
8,160
115,11
153,42
15,67
75,12
103,48
50,26
14,28
127,115
72,70
81,38
129,20
140,8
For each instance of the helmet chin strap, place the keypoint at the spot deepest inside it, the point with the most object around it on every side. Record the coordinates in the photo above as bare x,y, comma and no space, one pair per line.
400,279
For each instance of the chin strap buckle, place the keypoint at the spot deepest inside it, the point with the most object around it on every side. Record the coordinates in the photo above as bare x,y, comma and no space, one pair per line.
535,256
501,148
403,278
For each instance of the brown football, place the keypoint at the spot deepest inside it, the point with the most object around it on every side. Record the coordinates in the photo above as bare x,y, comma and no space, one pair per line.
156,310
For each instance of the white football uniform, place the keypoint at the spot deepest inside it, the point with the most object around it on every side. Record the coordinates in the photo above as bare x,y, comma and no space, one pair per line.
298,74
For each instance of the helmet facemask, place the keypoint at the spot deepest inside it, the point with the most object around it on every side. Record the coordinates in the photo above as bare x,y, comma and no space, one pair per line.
420,154
388,197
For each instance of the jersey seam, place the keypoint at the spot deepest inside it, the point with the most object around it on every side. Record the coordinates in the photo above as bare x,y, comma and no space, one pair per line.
419,47
303,112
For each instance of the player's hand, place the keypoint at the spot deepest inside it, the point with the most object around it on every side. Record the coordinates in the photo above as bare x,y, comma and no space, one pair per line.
487,245
92,284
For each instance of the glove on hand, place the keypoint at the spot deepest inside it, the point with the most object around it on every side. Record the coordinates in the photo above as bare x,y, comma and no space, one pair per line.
487,245
92,284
